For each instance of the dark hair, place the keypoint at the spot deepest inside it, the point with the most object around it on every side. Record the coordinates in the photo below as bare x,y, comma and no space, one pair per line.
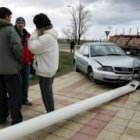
42,20
4,12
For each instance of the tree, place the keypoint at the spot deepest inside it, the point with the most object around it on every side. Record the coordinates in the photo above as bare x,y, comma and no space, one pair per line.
80,23
68,34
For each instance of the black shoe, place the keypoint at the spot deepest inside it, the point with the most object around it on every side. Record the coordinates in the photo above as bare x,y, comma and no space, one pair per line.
27,103
13,123
3,122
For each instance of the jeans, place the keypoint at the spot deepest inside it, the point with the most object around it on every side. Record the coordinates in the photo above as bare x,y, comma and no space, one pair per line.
25,73
47,92
10,97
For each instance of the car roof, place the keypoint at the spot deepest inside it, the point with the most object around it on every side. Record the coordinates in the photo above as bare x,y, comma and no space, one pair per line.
99,43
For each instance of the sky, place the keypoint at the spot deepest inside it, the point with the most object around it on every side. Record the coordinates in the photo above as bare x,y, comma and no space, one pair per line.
116,16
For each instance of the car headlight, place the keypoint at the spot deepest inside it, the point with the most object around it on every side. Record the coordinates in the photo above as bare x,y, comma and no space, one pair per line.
106,68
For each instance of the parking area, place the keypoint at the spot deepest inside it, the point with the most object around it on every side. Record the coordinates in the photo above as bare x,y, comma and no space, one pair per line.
116,120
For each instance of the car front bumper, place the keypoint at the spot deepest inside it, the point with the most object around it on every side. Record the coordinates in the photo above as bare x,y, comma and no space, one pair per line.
113,77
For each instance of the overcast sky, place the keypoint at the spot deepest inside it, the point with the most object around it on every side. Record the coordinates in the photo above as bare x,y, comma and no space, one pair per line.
118,16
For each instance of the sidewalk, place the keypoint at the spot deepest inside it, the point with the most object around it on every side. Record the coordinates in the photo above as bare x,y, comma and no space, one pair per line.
116,120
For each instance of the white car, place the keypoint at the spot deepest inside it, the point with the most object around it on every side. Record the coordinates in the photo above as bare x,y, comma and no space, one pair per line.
106,62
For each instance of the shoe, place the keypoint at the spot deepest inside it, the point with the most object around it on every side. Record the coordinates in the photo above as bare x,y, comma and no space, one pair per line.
3,122
27,103
13,123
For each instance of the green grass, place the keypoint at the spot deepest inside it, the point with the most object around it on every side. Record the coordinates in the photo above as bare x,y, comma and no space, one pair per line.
65,63
65,66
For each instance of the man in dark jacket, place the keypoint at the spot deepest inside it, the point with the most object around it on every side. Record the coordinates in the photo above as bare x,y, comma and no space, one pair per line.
11,54
27,58
72,44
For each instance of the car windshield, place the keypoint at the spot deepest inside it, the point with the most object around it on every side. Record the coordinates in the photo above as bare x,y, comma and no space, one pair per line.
104,50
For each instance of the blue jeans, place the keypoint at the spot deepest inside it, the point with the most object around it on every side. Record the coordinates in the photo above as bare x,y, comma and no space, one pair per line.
25,73
47,92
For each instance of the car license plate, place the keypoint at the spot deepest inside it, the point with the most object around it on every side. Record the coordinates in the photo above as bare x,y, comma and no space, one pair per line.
125,78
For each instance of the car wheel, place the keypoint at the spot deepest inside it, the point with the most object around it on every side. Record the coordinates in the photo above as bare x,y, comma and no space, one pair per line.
90,74
75,68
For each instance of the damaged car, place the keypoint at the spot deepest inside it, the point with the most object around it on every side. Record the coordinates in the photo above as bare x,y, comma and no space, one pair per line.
106,62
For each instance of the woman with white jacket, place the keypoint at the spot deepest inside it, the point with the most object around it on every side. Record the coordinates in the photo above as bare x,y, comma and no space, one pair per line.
43,44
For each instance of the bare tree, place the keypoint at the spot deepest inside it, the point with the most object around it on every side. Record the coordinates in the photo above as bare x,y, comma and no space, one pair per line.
71,31
68,34
80,23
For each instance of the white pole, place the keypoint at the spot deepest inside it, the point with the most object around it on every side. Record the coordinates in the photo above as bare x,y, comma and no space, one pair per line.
40,122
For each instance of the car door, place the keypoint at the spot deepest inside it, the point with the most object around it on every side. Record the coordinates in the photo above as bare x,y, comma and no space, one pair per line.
83,59
78,56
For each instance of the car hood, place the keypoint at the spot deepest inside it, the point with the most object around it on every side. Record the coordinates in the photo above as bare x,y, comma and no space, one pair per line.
117,61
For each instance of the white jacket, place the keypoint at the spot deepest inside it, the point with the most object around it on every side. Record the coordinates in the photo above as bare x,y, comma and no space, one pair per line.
46,52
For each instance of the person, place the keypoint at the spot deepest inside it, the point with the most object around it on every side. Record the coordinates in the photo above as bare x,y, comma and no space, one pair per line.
11,55
72,44
27,59
43,44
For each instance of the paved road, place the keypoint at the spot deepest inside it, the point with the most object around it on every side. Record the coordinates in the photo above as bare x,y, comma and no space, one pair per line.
116,120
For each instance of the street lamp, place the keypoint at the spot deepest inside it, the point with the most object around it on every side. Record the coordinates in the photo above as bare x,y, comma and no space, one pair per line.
71,8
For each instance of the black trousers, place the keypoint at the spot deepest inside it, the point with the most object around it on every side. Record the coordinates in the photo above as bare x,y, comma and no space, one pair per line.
47,92
10,97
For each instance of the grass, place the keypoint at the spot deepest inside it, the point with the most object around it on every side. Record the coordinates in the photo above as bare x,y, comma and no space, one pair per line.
65,63
65,66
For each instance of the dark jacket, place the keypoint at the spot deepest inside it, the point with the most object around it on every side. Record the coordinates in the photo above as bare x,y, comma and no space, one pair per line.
72,45
27,55
11,53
